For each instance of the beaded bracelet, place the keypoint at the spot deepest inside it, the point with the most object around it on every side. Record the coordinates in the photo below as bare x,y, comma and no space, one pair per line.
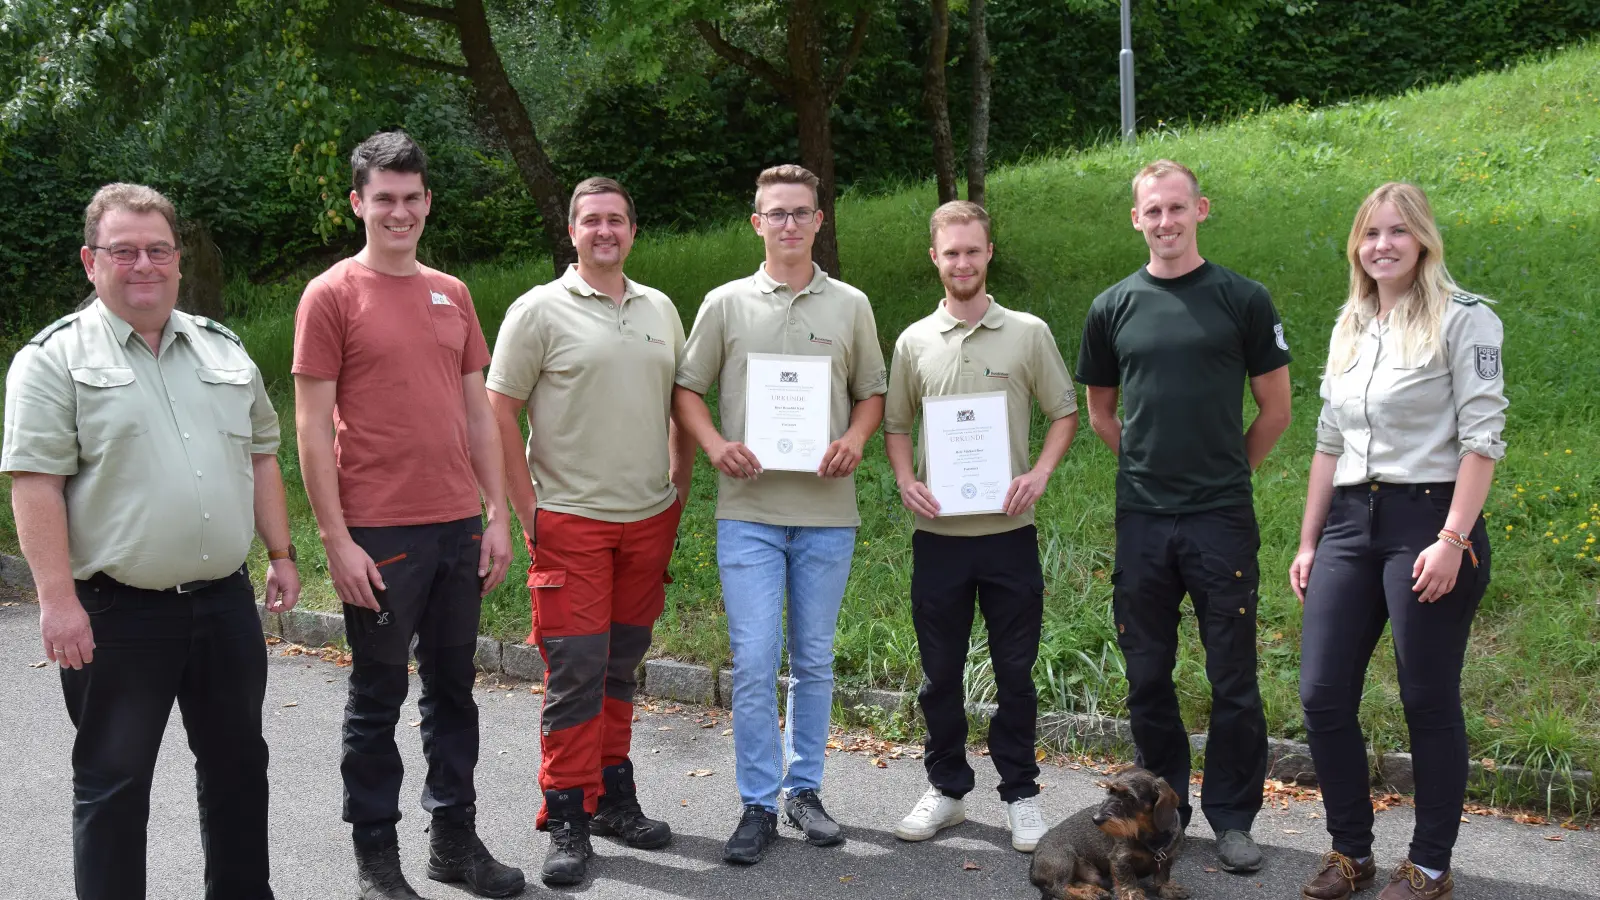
1460,542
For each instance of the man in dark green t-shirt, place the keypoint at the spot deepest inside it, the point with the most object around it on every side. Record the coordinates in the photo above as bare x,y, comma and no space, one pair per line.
1178,339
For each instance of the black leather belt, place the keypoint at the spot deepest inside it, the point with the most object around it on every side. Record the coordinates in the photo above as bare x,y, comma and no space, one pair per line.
1444,489
101,579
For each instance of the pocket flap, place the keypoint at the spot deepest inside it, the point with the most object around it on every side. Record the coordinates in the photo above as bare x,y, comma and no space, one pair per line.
223,376
102,376
547,578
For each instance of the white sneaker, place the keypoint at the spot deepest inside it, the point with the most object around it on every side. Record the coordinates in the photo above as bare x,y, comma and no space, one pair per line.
933,812
1027,823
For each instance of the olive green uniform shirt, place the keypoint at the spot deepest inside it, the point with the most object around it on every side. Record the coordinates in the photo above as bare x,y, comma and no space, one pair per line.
597,375
157,452
758,315
1388,418
1006,351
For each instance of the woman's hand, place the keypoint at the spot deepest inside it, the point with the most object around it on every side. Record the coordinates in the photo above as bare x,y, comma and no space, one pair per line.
1435,570
1300,572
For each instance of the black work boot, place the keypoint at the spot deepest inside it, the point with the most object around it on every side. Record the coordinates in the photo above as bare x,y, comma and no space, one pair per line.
378,874
619,814
456,854
567,860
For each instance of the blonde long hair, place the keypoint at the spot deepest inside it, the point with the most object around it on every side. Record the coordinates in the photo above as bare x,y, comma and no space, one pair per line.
1419,316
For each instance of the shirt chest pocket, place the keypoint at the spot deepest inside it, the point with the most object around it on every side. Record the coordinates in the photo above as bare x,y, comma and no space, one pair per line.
108,403
228,397
1408,392
449,326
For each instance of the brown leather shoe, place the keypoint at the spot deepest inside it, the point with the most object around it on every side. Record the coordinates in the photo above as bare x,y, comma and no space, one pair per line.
1339,877
1411,883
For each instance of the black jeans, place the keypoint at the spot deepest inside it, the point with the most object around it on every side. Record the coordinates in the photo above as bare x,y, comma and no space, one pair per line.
1001,573
204,650
431,577
1211,556
1360,580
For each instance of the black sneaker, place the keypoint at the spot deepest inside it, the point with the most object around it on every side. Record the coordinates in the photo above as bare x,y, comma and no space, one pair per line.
803,810
758,829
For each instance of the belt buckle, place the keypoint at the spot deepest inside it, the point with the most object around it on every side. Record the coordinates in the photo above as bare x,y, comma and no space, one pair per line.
188,587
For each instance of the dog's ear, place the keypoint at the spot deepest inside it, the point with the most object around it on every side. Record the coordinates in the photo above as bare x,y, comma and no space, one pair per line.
1167,802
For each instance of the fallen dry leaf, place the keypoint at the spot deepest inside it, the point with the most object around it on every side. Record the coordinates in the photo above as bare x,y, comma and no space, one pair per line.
700,773
415,724
40,664
1210,870
291,703
878,761
726,732
970,866
1489,765
1554,837
683,803
846,879
1039,755
665,728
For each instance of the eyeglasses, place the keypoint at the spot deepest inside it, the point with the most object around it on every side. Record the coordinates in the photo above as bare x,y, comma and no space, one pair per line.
123,255
776,217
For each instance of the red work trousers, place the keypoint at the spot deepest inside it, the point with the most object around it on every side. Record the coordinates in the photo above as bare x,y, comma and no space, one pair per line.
597,589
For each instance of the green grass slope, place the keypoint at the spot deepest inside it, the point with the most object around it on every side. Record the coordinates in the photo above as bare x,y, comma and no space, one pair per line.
1511,162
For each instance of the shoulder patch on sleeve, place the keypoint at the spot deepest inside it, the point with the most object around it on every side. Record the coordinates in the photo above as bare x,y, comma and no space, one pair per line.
219,328
53,327
1486,360
1466,299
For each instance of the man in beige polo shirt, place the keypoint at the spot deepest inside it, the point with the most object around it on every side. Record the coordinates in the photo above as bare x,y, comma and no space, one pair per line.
591,356
969,345
142,449
783,534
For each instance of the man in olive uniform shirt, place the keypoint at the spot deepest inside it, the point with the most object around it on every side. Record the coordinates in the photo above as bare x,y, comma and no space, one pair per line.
784,538
970,345
1177,340
142,449
591,356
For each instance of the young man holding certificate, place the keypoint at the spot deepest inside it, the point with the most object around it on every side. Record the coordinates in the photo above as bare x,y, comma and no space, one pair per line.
973,369
800,377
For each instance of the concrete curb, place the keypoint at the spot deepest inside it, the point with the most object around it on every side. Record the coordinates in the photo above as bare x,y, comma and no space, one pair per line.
667,679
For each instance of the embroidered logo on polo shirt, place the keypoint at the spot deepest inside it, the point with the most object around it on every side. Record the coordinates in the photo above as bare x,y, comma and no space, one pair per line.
441,300
651,340
820,340
990,373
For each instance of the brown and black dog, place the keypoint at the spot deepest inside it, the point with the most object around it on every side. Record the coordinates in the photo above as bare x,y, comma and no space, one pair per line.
1103,851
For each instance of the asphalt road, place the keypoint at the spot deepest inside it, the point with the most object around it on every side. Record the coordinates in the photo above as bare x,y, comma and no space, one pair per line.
1495,859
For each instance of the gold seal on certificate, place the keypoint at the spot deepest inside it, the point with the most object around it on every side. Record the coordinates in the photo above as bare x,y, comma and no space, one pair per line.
968,450
786,403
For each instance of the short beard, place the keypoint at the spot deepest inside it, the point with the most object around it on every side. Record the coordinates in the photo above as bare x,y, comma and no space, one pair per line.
960,296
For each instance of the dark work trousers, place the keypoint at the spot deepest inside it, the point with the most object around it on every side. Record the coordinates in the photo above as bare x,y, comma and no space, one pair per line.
1360,579
430,573
951,577
205,650
1211,556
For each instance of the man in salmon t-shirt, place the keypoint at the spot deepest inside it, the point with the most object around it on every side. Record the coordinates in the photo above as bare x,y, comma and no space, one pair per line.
397,442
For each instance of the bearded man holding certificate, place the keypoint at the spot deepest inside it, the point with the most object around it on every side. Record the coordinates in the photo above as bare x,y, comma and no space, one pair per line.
800,380
974,368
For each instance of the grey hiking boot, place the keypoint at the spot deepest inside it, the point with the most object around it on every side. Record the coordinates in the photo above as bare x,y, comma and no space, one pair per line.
1238,853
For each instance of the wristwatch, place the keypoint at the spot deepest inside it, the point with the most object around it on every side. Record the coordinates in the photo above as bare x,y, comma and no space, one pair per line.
289,554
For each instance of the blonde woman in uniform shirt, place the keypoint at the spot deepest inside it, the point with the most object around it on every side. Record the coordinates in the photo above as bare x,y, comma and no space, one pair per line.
1413,406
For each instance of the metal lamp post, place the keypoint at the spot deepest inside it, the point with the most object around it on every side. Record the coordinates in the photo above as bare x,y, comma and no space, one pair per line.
1125,64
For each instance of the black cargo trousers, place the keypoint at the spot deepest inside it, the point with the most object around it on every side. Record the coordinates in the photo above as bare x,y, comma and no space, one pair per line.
1211,557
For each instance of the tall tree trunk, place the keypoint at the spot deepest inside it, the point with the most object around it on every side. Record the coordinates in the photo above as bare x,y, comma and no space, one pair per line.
496,92
936,98
813,108
978,134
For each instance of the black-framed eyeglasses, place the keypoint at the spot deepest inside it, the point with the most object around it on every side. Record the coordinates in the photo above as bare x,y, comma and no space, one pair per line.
123,255
776,217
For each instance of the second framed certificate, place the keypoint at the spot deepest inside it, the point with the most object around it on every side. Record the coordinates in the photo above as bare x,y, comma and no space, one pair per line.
786,404
967,444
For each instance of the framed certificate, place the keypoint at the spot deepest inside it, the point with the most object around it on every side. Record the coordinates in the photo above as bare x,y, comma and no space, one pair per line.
786,403
968,449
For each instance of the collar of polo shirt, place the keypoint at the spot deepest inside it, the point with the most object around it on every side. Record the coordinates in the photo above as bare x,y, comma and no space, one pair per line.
767,284
993,318
574,282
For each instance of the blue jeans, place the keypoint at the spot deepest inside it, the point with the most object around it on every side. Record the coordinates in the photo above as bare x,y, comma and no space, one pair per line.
760,565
